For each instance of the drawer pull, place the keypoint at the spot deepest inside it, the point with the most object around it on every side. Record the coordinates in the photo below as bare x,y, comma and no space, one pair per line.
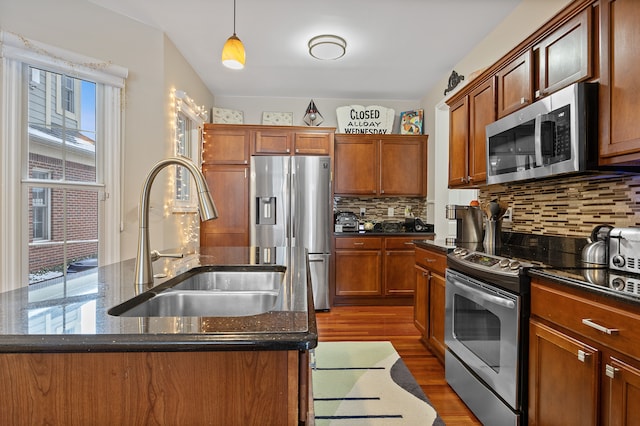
582,355
426,259
603,329
408,243
611,371
358,244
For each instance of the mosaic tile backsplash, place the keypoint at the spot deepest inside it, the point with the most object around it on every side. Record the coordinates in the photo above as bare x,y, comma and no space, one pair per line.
376,209
569,206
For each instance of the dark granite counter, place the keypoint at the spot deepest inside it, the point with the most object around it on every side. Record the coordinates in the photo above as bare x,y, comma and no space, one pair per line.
72,316
620,287
438,244
384,234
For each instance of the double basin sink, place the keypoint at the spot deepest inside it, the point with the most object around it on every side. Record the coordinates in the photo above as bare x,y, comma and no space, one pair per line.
210,291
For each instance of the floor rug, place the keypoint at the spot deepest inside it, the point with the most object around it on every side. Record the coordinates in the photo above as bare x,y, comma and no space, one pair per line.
366,383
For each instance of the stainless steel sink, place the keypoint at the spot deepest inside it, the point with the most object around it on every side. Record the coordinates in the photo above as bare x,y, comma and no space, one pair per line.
198,303
210,292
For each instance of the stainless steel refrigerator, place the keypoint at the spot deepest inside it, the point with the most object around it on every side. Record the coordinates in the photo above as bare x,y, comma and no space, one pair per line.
290,205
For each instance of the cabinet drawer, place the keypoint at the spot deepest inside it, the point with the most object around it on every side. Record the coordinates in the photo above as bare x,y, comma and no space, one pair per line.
436,262
584,315
364,243
399,243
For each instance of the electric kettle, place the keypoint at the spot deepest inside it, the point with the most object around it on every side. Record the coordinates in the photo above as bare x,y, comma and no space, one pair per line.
595,253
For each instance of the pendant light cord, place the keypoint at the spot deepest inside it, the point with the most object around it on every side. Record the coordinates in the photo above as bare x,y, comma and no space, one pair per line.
234,17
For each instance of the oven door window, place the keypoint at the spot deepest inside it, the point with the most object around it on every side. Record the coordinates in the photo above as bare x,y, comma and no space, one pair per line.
479,330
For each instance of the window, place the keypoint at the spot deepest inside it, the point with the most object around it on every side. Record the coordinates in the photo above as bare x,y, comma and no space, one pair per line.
40,213
60,155
189,122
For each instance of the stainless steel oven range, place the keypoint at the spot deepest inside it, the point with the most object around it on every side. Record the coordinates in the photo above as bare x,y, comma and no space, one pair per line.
486,333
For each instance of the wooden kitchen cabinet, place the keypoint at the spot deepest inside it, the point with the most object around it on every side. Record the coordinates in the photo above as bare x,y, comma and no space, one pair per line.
515,84
358,266
565,55
229,187
235,388
288,140
225,145
374,270
375,165
429,302
467,136
399,257
619,86
579,373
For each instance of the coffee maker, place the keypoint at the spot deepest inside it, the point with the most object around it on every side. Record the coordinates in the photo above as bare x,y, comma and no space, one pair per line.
468,223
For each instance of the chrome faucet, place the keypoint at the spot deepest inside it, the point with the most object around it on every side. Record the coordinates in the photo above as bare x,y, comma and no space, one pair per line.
144,268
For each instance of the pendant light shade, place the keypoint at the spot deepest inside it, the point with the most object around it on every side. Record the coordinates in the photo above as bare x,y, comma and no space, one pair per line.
233,55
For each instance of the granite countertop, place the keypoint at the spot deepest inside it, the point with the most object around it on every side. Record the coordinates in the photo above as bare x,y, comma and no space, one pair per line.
620,287
384,234
437,244
73,316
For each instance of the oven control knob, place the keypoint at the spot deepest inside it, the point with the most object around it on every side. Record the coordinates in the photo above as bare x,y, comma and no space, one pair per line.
504,263
514,265
618,284
618,261
459,251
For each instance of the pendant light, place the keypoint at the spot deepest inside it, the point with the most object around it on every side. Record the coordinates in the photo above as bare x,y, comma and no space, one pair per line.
233,55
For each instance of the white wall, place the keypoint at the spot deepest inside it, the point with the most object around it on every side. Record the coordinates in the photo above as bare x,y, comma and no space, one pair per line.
522,22
154,67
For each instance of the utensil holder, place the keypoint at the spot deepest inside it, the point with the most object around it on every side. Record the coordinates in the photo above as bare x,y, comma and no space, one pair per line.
492,235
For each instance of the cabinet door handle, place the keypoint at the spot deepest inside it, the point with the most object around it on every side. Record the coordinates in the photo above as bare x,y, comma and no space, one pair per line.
589,323
424,274
582,355
611,371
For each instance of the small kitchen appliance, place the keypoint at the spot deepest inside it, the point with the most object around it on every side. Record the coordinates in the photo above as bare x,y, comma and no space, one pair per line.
624,250
468,222
594,254
346,222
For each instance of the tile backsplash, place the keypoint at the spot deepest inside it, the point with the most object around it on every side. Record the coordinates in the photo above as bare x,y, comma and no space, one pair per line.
377,209
569,206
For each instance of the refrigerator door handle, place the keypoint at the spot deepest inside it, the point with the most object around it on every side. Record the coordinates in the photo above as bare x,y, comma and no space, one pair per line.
294,201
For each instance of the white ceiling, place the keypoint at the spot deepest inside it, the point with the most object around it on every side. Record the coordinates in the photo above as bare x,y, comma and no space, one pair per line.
395,49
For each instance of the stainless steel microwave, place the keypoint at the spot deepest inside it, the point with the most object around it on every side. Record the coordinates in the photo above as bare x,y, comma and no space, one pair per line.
554,135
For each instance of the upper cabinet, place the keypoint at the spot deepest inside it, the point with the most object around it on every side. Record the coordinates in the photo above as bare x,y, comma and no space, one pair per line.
380,165
467,137
515,85
564,56
280,140
619,86
225,145
589,40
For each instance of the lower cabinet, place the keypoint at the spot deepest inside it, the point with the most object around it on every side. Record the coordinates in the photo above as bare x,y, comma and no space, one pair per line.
374,270
429,298
584,361
171,388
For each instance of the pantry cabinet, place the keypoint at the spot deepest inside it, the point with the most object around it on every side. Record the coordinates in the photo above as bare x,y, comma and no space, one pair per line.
380,165
429,301
584,361
619,85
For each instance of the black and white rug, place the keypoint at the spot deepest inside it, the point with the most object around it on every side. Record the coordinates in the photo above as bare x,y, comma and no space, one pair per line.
366,383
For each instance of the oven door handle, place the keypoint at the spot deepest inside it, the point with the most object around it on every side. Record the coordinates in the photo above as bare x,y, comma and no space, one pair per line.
486,296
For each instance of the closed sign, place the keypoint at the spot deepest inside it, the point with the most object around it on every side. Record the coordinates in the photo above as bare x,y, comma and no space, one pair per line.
357,119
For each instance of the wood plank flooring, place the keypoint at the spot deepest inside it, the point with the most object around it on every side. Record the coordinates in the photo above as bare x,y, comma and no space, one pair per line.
395,324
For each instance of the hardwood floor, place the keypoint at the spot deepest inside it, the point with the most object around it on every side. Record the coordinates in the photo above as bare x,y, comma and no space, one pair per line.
395,324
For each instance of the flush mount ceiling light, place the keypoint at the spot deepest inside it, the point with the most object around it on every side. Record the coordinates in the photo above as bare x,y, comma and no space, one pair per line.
327,46
233,55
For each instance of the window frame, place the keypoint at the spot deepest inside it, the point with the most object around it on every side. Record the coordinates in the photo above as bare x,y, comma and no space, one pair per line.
16,55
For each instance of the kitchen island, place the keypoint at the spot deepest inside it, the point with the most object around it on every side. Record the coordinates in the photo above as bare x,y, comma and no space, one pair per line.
65,360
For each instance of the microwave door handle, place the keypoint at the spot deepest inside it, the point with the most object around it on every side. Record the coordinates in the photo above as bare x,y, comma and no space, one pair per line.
537,136
486,296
